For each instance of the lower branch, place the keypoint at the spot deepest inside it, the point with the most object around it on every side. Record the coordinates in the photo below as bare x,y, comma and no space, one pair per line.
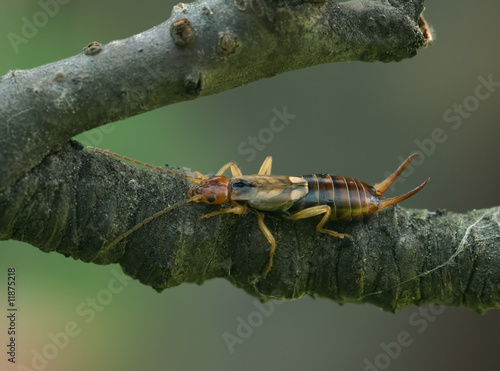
76,201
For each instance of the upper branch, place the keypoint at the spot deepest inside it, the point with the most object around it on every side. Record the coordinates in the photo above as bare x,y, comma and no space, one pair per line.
204,48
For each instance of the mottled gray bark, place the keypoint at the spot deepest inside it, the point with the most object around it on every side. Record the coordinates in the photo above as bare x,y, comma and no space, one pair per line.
204,48
59,197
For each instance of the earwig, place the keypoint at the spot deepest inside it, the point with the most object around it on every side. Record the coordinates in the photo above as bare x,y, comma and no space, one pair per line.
327,196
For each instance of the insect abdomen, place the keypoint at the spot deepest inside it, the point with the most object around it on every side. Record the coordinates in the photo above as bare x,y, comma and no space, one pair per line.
348,198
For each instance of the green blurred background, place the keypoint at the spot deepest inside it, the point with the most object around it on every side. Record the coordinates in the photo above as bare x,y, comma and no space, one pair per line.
352,119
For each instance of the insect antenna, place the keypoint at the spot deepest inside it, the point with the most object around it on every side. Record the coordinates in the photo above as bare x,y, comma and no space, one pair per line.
158,213
105,151
149,219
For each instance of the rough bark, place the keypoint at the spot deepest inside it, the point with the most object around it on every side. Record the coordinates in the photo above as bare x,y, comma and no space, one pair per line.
75,201
59,197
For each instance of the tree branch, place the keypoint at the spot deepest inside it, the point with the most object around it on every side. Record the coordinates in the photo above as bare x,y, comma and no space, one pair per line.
70,204
204,48
61,198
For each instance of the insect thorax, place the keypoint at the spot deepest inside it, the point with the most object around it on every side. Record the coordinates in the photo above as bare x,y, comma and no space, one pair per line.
268,192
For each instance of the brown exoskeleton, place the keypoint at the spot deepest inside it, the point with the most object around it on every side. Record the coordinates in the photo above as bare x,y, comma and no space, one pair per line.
330,197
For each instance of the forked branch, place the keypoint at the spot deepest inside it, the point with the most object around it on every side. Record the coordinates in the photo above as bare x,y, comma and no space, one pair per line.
59,197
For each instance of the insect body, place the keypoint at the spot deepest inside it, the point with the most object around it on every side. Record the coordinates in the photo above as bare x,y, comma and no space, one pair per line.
327,196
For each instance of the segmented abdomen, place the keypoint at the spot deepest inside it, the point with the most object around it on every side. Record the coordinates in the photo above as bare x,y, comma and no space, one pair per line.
348,198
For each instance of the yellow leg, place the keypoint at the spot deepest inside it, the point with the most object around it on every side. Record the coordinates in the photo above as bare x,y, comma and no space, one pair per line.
236,209
235,170
265,169
239,209
315,211
270,238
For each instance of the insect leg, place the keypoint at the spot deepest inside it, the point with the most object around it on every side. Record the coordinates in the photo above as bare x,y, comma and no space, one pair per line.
235,170
265,169
270,238
236,209
315,211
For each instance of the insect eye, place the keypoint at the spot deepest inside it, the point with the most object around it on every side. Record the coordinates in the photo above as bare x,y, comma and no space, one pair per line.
211,198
